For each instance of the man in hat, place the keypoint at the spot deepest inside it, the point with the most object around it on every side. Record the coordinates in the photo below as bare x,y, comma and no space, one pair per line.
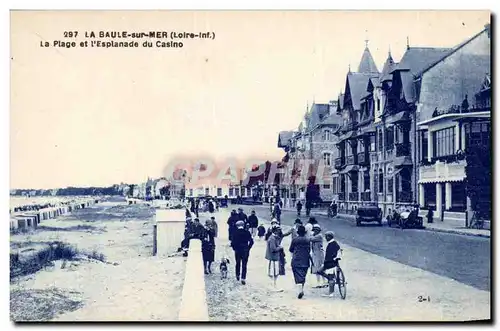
242,216
269,232
214,226
242,243
332,250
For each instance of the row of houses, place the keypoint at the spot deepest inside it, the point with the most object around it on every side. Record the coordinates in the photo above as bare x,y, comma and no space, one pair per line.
396,137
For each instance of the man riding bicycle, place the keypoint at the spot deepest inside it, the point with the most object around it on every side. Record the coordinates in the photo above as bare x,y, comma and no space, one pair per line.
331,261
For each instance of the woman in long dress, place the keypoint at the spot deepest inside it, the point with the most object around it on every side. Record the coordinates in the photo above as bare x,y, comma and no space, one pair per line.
317,255
300,248
208,247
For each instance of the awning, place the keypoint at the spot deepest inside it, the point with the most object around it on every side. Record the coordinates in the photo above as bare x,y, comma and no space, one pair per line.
349,168
403,161
403,116
348,135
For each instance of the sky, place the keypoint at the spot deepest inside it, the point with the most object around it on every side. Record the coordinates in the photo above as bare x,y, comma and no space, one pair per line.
96,117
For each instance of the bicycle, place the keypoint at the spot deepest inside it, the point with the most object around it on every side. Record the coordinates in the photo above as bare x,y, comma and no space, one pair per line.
477,222
337,277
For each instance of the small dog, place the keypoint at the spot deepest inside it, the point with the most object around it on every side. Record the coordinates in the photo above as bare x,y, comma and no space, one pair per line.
223,267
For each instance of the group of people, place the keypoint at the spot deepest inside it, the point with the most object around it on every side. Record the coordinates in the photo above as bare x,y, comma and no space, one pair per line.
307,253
206,233
205,205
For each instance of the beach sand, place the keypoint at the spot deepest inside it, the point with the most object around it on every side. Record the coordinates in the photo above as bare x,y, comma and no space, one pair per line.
131,285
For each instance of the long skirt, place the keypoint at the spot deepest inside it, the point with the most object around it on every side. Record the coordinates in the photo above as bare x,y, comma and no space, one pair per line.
299,274
208,252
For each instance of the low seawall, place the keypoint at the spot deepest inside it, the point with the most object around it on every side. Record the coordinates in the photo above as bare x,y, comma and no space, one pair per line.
194,306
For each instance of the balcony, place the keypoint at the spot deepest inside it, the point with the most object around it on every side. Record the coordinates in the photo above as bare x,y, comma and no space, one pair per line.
403,149
339,162
363,158
404,196
353,196
351,159
365,196
342,196
441,172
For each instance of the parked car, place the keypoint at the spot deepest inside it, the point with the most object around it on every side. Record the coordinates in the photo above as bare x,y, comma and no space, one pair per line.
369,214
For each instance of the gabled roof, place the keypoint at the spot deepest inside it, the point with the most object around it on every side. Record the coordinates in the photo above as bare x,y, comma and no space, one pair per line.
367,65
389,65
356,84
418,59
459,46
318,112
332,119
284,138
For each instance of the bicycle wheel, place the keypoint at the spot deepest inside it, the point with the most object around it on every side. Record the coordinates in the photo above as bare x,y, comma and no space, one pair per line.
341,283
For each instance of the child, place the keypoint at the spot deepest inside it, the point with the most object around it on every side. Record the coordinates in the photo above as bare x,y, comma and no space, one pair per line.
261,231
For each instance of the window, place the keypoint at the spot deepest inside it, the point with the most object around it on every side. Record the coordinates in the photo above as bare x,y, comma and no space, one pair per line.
390,184
389,139
327,159
380,140
366,180
477,134
354,184
326,184
425,145
444,142
190,192
372,143
219,192
380,181
342,183
378,105
326,135
231,192
207,191
237,191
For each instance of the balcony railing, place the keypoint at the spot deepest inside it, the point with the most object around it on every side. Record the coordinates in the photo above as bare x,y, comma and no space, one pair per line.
363,158
339,162
365,196
404,196
351,159
403,149
353,196
459,156
342,196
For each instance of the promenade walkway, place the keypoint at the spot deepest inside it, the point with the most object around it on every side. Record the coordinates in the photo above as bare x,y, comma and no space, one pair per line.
378,290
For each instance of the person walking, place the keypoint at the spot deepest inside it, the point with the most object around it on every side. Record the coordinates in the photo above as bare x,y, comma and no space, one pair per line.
208,247
253,223
273,249
231,223
242,243
277,213
242,216
300,249
318,255
299,208
214,226
309,226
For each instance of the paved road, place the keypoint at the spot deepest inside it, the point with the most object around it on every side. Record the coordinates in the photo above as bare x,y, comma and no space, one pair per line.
463,258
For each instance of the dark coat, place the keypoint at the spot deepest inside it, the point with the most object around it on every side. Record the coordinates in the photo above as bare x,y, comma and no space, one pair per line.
300,248
332,249
253,221
273,248
242,241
